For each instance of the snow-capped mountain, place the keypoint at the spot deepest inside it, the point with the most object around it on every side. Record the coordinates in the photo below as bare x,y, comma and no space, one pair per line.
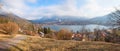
60,20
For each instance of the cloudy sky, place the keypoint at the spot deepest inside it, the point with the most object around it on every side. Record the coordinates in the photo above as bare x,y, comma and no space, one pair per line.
34,9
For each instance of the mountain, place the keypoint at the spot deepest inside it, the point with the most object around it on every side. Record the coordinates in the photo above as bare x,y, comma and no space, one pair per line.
69,20
23,23
102,20
61,20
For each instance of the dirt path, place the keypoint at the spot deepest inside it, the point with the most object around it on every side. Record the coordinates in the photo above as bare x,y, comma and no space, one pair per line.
11,42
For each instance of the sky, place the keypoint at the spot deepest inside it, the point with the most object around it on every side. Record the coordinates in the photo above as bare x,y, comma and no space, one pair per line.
35,9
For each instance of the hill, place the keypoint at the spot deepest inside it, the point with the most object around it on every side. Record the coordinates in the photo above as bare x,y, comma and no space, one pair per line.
102,20
34,43
23,23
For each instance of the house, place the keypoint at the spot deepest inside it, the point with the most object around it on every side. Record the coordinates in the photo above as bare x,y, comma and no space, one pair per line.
41,34
77,37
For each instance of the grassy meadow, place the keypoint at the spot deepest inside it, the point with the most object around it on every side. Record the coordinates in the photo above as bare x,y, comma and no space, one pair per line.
34,43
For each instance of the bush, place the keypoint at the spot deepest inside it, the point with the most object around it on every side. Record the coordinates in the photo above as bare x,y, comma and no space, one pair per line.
113,37
48,36
27,32
64,34
3,20
9,28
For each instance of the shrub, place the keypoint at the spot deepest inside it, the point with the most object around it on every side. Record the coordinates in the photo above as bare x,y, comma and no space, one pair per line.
48,36
113,37
9,28
64,34
27,32
3,20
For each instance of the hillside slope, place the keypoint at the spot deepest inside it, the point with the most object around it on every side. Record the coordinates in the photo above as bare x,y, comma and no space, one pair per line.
23,23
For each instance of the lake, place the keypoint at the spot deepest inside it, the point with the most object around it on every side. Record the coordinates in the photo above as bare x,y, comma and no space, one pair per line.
75,28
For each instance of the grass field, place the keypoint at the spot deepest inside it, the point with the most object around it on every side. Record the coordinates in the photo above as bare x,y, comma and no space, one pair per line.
34,43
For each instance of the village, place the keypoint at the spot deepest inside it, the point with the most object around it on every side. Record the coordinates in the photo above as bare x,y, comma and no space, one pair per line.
109,35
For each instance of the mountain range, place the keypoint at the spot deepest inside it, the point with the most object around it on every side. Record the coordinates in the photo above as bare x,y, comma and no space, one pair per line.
71,20
62,20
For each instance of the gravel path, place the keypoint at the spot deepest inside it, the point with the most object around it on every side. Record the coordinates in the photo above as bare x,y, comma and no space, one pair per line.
4,45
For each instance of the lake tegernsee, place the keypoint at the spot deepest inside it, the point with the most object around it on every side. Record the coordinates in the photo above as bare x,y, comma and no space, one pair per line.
75,28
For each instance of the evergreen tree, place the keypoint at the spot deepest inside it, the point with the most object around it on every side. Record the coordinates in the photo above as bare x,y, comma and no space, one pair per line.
45,30
77,32
48,30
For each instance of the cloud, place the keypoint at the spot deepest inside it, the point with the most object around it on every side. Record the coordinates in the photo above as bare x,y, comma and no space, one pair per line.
32,1
18,7
90,8
67,9
93,9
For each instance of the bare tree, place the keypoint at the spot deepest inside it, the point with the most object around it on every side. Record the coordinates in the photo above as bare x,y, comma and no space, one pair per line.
9,28
64,34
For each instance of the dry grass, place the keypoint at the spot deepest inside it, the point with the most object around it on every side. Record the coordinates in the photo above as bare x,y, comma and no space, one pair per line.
33,43
5,37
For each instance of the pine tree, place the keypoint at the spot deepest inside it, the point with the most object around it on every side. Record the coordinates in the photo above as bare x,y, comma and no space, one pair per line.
48,30
45,30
